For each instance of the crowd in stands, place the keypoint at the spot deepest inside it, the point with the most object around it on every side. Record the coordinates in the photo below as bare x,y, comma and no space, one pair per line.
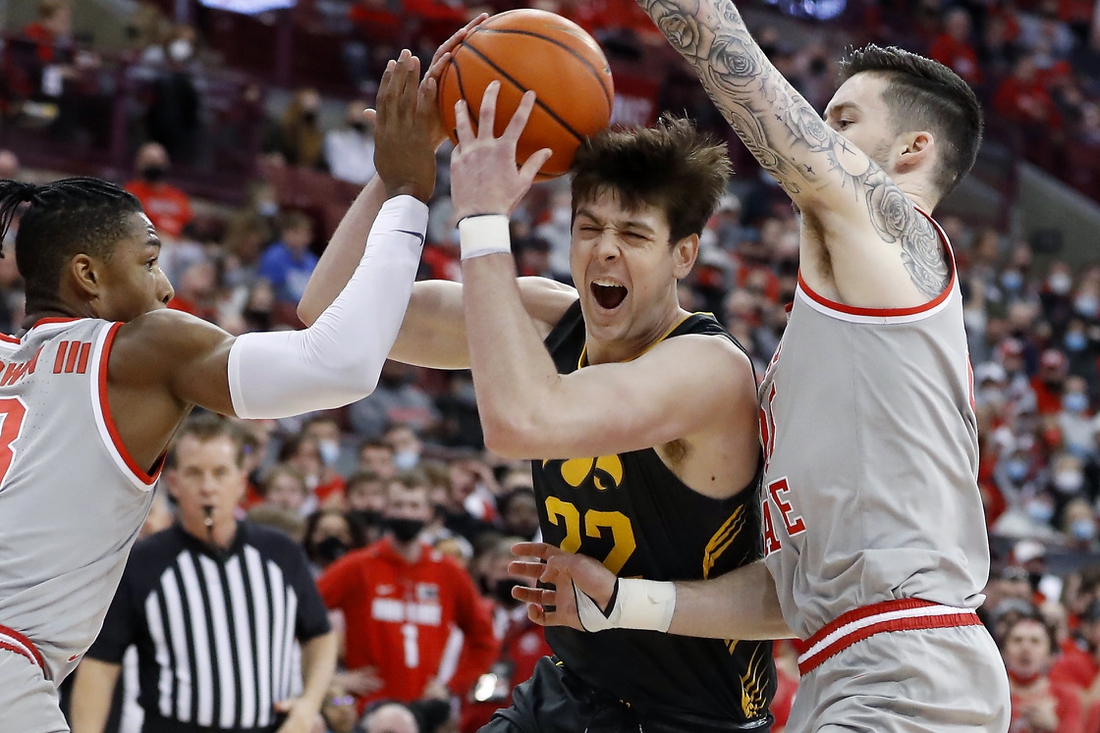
338,481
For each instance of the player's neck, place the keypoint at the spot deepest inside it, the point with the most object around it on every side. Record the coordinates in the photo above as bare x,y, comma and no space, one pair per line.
917,190
634,345
38,310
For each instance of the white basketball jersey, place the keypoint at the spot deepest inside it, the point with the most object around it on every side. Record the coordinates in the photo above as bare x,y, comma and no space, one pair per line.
72,501
871,447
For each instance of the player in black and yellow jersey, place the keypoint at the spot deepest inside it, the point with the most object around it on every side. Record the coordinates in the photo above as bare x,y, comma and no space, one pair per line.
646,457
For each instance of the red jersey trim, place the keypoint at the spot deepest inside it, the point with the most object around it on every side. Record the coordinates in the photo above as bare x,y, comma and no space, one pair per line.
906,614
13,641
109,421
852,310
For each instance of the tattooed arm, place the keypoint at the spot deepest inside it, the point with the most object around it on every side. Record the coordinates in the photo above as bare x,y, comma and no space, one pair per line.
862,242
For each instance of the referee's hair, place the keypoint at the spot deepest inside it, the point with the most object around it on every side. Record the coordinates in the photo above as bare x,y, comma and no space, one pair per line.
65,218
207,426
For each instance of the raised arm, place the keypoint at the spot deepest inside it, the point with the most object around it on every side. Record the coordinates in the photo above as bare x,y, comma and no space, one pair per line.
878,252
345,249
527,409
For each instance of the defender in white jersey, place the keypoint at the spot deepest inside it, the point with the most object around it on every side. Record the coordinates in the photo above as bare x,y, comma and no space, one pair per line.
95,386
874,534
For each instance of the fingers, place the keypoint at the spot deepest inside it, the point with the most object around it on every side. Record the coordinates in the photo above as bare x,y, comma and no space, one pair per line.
519,119
371,115
534,164
386,88
488,109
451,43
464,128
536,549
525,569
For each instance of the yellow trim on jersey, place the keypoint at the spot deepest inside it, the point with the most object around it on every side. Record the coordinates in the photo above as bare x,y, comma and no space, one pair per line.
722,539
754,684
584,349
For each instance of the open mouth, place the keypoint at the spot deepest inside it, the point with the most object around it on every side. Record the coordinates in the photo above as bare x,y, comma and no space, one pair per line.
608,294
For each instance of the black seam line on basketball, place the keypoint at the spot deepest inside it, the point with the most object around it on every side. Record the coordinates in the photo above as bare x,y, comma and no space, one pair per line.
512,80
559,44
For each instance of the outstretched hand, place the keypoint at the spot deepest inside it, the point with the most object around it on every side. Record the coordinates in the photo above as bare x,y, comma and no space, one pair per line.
484,179
403,153
562,571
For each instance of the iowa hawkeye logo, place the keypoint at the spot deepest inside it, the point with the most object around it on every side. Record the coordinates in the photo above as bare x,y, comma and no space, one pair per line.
606,472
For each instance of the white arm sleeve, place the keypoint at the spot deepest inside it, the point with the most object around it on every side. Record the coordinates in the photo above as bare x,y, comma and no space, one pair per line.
337,360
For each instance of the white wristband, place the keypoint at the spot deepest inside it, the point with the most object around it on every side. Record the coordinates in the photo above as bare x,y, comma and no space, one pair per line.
647,605
485,234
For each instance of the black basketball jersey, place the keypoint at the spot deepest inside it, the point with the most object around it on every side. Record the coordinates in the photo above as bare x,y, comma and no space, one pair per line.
634,515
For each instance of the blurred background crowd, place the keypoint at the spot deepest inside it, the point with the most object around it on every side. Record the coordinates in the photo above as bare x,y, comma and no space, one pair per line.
243,136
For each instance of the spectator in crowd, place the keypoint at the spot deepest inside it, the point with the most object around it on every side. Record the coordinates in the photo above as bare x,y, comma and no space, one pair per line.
330,534
952,48
9,165
349,150
167,207
391,718
288,263
519,513
522,641
376,455
298,138
339,712
401,601
1038,704
365,498
397,399
281,519
330,484
284,486
200,570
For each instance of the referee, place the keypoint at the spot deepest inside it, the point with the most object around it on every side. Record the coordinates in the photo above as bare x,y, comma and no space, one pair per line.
214,607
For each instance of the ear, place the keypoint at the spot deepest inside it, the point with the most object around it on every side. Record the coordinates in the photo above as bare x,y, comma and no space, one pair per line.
87,275
170,484
684,254
919,149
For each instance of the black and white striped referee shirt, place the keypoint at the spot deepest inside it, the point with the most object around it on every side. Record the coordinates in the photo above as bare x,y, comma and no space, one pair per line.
215,635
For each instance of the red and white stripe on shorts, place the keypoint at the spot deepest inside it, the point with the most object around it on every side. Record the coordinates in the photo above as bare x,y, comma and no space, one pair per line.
13,641
906,614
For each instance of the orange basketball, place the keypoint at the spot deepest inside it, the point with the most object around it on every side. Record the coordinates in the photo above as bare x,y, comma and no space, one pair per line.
533,49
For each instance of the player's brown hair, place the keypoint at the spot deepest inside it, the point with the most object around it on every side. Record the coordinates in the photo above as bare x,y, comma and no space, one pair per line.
672,166
205,427
923,94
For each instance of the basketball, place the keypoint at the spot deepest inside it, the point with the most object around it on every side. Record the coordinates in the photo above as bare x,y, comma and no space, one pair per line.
540,51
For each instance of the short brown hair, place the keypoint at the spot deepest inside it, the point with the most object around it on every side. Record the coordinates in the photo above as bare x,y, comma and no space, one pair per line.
923,94
672,166
205,427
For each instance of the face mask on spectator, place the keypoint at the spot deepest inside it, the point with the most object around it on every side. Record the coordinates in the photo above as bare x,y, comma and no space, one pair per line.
1087,305
1075,402
309,116
1068,482
367,517
405,530
406,459
180,50
1076,341
329,450
1040,511
331,549
1016,469
1012,279
152,173
268,208
1060,283
359,126
1083,529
